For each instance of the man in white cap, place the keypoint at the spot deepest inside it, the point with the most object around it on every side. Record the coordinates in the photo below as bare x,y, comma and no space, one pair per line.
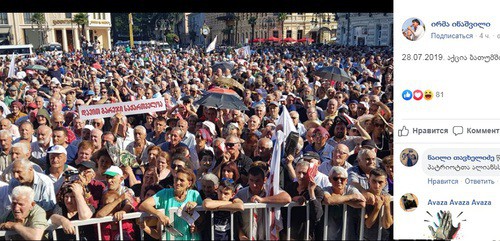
55,81
377,89
109,76
57,166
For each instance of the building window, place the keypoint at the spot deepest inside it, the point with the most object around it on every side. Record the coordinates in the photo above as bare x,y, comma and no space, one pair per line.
299,33
98,16
3,18
68,15
289,33
27,17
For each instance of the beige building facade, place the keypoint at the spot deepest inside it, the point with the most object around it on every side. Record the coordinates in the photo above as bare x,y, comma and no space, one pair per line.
370,29
321,27
17,28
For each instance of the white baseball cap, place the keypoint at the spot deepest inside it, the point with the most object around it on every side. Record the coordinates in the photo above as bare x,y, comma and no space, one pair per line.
113,171
58,149
90,127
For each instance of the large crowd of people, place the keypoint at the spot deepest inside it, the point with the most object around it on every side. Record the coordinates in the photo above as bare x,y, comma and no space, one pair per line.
57,167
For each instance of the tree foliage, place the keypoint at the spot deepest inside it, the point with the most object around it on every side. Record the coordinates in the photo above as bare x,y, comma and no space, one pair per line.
144,23
82,19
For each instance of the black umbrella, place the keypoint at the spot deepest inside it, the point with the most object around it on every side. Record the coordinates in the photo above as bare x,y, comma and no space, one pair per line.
37,67
223,66
332,73
222,99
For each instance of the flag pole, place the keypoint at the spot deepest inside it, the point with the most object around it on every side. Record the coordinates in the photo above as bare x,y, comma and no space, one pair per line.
131,29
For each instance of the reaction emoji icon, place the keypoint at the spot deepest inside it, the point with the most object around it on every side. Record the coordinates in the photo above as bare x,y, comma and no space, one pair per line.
428,95
417,94
407,94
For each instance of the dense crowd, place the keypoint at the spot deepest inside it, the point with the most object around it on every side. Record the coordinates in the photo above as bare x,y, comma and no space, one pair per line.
57,167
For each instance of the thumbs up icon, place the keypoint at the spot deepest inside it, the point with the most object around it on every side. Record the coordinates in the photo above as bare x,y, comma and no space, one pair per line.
403,132
407,94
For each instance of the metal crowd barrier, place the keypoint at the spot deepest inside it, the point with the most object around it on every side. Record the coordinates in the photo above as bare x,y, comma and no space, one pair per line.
247,206
92,221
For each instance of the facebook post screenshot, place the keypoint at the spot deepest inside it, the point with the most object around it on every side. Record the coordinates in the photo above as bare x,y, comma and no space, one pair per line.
446,132
331,123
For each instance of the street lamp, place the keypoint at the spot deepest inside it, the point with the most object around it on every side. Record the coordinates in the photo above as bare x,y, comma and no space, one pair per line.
320,19
205,31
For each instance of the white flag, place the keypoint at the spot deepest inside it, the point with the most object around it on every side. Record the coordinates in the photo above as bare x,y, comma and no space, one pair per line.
272,185
211,46
12,67
284,126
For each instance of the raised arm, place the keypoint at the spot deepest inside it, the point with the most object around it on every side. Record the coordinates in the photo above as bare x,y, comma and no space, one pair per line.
84,211
289,166
363,133
387,112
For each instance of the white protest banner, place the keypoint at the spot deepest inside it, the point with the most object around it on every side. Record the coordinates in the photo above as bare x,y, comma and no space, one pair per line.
127,108
243,52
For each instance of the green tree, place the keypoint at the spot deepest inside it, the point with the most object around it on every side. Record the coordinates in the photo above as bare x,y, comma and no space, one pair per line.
81,19
144,24
38,18
175,19
281,19
40,21
252,21
172,38
119,25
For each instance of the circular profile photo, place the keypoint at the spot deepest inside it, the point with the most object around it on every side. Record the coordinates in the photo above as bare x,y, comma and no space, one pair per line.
408,202
409,157
413,29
